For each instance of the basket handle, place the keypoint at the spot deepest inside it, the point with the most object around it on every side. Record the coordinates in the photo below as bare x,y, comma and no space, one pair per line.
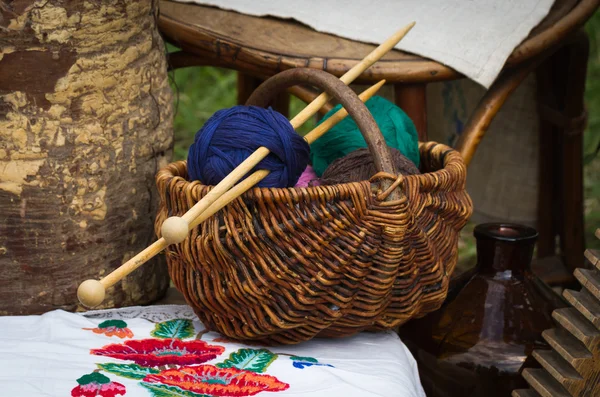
268,90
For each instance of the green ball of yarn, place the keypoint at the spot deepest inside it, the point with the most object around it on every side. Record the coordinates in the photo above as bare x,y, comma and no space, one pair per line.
397,128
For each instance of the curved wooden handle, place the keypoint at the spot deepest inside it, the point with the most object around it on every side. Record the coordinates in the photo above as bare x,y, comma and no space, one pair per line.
488,107
268,90
493,100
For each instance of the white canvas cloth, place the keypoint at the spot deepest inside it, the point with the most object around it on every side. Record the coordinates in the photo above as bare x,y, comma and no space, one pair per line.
503,176
46,355
473,37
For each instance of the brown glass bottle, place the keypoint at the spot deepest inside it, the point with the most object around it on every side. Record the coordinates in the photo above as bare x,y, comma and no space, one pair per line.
478,344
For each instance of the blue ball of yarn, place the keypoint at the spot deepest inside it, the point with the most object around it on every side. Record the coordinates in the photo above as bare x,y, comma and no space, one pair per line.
231,135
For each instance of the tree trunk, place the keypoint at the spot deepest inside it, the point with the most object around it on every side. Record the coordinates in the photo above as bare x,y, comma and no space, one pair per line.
85,123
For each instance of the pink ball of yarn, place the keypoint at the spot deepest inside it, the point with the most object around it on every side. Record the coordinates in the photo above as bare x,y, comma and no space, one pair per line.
308,178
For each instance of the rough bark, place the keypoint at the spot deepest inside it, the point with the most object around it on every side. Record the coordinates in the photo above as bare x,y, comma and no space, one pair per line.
85,123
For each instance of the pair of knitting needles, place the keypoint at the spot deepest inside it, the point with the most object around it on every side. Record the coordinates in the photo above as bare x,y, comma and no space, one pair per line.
175,229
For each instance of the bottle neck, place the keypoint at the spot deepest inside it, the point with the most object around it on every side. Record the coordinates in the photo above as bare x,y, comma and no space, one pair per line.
504,247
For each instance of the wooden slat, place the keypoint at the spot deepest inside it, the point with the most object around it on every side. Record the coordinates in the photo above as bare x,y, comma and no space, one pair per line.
590,280
543,383
525,393
586,304
569,348
593,256
557,367
577,325
572,367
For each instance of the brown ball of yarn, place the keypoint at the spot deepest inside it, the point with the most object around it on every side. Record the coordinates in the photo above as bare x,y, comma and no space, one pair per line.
359,166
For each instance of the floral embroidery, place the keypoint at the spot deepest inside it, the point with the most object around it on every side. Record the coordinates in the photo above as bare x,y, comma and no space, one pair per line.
113,328
160,390
301,362
131,371
174,329
213,381
97,385
166,365
249,359
156,352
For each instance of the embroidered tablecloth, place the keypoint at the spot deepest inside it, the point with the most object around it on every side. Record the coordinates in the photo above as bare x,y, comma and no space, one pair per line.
164,351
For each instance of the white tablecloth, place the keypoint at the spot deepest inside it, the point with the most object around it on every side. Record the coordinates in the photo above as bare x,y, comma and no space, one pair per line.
164,351
473,37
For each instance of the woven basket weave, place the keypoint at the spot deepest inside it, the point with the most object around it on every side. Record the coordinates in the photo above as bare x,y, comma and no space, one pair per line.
286,265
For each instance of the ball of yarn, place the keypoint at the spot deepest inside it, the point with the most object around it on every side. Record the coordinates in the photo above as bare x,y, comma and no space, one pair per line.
231,135
308,178
397,128
359,166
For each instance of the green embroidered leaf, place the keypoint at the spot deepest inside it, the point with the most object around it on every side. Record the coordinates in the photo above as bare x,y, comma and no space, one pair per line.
131,371
93,377
178,329
305,359
249,359
113,323
160,390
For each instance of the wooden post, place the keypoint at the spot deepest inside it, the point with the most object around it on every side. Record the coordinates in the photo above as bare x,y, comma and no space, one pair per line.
246,85
412,99
548,164
562,83
571,143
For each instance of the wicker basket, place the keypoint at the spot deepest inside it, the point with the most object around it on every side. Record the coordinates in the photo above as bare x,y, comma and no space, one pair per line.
286,265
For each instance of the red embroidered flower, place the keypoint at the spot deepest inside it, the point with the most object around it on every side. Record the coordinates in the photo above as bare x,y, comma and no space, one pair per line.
213,381
113,328
97,385
156,352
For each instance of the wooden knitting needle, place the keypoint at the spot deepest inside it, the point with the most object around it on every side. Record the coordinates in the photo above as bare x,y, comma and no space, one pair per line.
353,73
175,229
91,292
